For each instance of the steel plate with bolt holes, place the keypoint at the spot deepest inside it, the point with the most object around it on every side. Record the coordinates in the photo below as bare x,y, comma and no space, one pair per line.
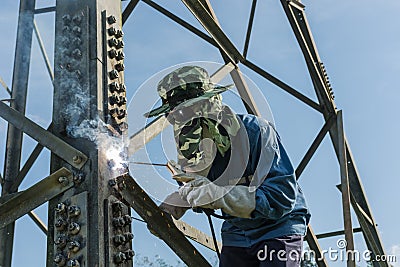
36,195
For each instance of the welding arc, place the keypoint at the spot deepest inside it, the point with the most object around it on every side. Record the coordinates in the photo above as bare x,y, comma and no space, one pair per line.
148,163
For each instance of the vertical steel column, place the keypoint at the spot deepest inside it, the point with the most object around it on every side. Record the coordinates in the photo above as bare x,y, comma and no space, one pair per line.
14,136
345,188
89,87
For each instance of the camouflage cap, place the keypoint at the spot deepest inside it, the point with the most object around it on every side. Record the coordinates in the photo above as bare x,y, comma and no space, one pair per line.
185,83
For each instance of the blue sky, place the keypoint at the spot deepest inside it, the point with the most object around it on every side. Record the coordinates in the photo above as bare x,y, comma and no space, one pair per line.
358,43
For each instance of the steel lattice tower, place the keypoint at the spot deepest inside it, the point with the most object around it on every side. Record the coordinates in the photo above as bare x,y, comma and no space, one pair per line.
89,213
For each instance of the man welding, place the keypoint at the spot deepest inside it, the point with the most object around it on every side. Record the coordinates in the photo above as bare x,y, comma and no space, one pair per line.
235,163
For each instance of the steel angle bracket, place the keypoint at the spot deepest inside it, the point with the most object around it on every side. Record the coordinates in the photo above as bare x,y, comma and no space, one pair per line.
65,151
36,195
159,221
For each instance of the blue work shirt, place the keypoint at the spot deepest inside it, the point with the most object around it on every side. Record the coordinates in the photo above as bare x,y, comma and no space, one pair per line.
281,208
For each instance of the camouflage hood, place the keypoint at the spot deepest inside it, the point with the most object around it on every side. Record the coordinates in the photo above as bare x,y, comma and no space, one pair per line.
188,83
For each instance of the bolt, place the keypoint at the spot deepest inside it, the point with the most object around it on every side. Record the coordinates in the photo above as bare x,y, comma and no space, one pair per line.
119,34
120,66
118,222
114,87
60,208
120,55
120,44
129,254
127,219
112,100
121,115
112,31
77,30
66,19
128,236
122,88
61,241
59,260
77,41
119,239
77,19
117,206
78,74
112,53
60,224
111,19
63,180
77,54
74,246
123,126
73,263
113,74
66,29
113,42
74,211
78,177
77,159
74,228
112,182
121,100
119,257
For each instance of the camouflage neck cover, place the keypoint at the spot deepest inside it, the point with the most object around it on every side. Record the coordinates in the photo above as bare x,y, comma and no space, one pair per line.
189,131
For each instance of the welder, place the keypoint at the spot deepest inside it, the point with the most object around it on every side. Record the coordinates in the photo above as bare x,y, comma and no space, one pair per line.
235,163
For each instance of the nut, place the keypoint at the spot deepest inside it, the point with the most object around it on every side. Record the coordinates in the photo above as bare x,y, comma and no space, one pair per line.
111,19
63,180
74,246
114,87
77,159
120,55
74,228
113,74
112,53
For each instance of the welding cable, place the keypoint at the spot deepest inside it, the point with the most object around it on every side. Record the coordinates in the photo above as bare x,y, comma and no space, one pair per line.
213,234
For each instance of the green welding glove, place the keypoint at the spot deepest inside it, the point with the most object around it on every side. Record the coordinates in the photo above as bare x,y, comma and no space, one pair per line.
238,201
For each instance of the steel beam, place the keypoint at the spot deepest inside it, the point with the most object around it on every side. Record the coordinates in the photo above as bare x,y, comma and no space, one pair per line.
62,149
314,146
249,28
5,86
314,245
159,222
196,235
283,85
298,21
345,189
38,221
45,10
28,164
46,189
19,89
181,22
43,50
336,233
211,26
128,10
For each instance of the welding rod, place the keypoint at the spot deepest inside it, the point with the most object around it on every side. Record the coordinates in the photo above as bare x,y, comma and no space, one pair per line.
149,163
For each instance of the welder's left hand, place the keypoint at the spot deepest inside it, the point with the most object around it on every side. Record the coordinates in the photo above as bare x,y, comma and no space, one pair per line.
237,200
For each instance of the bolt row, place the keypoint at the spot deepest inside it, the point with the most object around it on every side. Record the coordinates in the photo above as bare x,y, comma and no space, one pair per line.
67,234
122,239
117,91
327,83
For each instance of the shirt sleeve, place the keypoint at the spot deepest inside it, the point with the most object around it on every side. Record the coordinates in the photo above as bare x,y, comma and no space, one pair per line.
276,189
